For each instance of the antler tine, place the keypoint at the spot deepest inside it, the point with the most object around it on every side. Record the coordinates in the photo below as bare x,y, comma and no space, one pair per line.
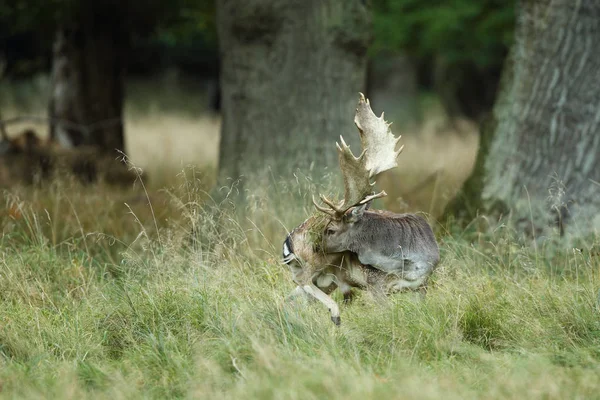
356,175
373,197
363,98
345,148
399,150
329,211
331,203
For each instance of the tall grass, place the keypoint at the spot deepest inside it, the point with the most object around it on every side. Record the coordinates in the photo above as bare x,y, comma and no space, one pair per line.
175,290
111,302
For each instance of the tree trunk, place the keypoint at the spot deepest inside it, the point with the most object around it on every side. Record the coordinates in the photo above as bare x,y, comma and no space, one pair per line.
466,89
290,76
544,154
392,82
86,106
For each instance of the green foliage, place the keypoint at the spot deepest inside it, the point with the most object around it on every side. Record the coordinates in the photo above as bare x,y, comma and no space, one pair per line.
457,30
26,15
192,21
184,30
178,20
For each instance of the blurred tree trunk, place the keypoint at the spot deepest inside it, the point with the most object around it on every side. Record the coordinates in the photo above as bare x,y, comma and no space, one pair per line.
465,89
290,76
392,83
541,150
88,80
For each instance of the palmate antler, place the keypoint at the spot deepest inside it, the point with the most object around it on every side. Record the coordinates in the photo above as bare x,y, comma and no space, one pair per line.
379,154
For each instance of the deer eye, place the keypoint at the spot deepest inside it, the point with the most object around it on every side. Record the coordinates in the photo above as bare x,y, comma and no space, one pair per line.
329,231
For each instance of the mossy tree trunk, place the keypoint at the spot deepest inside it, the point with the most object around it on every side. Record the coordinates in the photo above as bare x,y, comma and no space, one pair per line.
290,76
541,158
86,106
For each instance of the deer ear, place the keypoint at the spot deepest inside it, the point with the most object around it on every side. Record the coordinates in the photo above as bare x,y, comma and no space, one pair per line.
355,213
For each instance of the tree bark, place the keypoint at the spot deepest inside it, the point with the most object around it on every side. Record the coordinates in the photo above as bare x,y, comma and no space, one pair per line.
88,81
290,76
544,149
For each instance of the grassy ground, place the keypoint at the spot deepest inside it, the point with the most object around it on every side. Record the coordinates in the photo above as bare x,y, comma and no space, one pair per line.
104,294
104,301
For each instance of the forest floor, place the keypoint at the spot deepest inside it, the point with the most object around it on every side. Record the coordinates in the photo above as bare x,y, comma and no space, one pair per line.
104,293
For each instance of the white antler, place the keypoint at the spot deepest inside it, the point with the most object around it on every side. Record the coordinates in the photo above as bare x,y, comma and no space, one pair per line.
379,154
377,139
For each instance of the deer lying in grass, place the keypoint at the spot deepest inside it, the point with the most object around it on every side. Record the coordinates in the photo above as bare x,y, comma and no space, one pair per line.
349,246
27,158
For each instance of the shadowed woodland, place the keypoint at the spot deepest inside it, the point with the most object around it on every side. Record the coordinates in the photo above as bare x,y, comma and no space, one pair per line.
154,158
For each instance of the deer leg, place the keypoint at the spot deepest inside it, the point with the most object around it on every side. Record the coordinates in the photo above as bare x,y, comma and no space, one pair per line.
346,291
348,296
326,282
323,298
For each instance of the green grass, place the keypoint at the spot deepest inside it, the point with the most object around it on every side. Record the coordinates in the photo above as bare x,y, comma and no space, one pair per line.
179,293
103,300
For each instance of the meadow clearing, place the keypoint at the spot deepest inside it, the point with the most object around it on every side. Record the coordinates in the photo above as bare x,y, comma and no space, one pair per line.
105,294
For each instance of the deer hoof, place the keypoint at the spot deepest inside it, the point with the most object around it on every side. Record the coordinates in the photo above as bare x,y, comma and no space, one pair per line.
336,320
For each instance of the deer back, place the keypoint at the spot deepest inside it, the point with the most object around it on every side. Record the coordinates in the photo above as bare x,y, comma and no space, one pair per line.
383,239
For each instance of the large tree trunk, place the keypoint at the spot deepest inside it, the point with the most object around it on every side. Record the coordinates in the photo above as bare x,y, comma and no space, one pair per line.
86,106
544,144
290,76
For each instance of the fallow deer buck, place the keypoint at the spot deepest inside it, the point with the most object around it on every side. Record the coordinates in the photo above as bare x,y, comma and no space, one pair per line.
348,246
